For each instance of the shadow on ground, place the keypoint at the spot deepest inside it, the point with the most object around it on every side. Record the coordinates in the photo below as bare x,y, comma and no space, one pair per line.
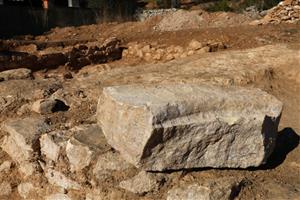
287,140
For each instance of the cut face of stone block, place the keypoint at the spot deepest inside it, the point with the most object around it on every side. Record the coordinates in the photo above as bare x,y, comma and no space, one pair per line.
189,126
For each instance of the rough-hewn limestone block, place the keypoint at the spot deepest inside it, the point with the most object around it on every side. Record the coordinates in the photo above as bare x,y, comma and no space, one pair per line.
189,126
22,141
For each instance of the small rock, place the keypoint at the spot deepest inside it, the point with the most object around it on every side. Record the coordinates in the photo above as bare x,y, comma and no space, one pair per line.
31,48
22,141
79,155
5,189
195,45
14,74
24,109
169,57
190,52
58,196
218,189
178,49
46,106
49,148
81,148
146,49
24,189
139,53
148,57
203,50
58,179
157,56
143,183
5,166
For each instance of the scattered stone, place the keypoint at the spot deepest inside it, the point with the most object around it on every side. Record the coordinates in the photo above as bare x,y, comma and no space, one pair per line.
46,106
195,45
49,148
22,142
5,166
225,189
170,57
143,183
5,189
31,48
24,189
14,74
205,49
180,126
58,179
287,11
78,155
58,196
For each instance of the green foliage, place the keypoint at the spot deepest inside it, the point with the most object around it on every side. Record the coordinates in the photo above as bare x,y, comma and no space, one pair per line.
222,5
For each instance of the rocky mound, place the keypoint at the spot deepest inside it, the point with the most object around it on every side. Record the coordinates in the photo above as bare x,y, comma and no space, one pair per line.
287,11
182,19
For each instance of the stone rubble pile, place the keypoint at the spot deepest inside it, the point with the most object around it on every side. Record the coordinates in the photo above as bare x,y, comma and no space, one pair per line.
142,15
287,11
29,56
157,52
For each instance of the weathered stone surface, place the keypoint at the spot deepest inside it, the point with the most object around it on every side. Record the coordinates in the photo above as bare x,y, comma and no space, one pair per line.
49,148
195,45
142,183
22,141
58,196
187,126
108,162
218,189
5,188
45,106
81,148
78,154
24,189
58,179
21,73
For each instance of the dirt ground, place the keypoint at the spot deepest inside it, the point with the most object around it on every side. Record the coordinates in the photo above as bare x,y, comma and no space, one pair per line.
279,179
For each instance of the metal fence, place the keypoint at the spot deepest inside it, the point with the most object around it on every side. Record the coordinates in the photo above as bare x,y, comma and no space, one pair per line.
18,20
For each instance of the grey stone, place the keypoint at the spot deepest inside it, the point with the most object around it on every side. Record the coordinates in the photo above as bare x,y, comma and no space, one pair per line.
218,189
22,142
142,183
44,106
59,179
179,126
79,155
81,148
13,74
49,148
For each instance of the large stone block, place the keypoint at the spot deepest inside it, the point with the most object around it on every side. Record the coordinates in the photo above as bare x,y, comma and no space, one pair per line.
189,126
